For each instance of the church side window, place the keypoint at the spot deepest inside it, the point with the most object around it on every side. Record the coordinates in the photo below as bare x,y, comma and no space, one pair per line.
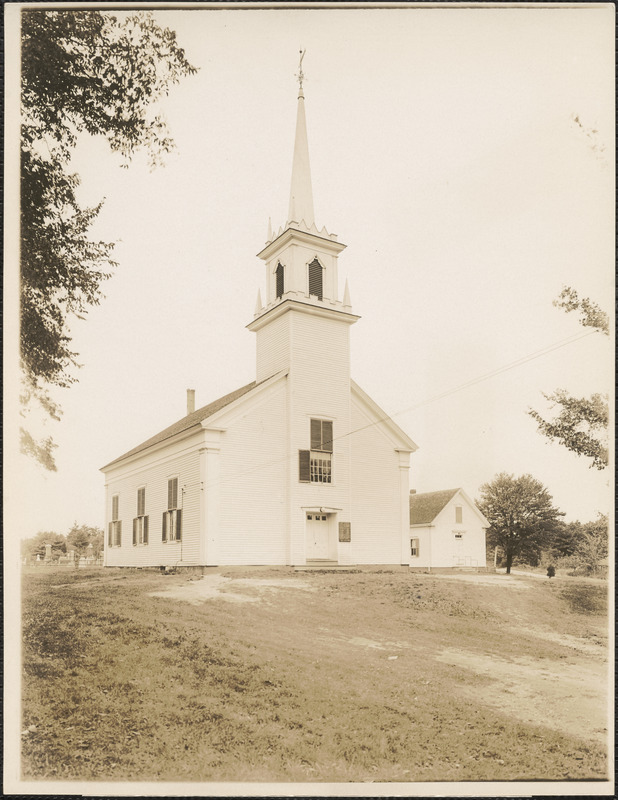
140,522
315,278
279,280
114,529
315,465
171,526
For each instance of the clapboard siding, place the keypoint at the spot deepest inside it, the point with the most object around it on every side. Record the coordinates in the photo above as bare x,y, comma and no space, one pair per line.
440,548
252,521
181,460
320,388
376,522
273,352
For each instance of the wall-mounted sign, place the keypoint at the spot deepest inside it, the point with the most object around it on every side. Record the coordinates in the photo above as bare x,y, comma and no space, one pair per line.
345,531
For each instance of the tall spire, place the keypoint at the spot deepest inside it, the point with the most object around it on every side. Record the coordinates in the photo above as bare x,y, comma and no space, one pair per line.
301,196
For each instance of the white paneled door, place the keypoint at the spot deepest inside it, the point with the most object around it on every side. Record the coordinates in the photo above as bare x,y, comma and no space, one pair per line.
317,536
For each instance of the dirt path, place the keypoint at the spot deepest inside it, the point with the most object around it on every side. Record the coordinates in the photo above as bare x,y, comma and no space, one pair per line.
562,696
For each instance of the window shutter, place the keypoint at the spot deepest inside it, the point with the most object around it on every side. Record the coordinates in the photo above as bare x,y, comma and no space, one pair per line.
135,521
327,436
316,434
145,530
458,514
115,507
178,524
172,493
110,541
279,280
315,278
119,533
304,466
164,527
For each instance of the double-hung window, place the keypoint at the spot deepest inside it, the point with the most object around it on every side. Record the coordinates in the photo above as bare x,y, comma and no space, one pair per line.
114,529
171,527
316,465
140,522
414,548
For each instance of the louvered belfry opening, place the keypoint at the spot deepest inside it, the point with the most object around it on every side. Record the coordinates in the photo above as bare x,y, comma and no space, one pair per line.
315,278
279,280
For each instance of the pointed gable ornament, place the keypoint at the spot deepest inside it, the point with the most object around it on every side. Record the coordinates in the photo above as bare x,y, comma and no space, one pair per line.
347,303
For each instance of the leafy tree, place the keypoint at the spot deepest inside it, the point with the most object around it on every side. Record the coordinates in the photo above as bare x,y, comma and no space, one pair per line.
36,545
581,425
592,545
592,315
582,422
566,536
83,72
521,516
80,536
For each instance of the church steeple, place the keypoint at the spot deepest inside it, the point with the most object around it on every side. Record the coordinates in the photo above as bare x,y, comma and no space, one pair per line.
301,195
301,265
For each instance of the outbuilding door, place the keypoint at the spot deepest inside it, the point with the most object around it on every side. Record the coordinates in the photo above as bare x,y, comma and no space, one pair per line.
317,535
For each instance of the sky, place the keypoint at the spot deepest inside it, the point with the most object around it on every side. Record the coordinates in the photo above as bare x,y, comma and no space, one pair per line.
463,155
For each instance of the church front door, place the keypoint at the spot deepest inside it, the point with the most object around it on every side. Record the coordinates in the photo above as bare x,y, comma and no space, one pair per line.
317,536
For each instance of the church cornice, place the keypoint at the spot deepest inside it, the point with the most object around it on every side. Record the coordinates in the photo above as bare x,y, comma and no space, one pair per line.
304,237
307,308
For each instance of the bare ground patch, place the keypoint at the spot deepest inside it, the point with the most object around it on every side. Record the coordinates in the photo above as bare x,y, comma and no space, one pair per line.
234,590
562,696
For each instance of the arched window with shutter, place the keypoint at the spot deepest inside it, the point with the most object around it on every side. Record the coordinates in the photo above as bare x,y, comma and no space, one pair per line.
315,278
279,280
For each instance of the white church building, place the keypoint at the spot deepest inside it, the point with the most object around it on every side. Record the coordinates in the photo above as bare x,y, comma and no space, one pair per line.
299,466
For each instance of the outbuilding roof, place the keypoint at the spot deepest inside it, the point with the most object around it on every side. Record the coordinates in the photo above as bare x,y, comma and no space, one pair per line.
425,507
187,422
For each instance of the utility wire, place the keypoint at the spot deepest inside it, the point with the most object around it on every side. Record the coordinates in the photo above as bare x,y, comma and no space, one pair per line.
498,371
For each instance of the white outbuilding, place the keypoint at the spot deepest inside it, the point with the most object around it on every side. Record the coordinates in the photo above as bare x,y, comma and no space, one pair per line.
447,531
297,467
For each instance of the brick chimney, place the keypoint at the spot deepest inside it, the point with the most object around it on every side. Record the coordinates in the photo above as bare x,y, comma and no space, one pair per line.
190,401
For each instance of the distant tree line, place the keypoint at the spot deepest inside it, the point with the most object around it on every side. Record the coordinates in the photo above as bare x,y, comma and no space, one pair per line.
77,539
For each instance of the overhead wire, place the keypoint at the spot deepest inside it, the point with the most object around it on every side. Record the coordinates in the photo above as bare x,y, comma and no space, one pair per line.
474,381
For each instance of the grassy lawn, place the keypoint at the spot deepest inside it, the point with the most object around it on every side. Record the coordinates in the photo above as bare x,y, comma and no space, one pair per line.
364,676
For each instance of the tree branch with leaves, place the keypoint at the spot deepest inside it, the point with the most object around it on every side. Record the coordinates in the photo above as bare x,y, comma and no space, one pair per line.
581,424
83,73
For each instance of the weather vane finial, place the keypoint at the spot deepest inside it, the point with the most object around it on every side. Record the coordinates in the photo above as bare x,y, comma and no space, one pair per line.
301,75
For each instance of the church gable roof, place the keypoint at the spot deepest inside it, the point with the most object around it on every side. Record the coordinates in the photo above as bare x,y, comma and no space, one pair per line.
425,507
400,438
190,421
